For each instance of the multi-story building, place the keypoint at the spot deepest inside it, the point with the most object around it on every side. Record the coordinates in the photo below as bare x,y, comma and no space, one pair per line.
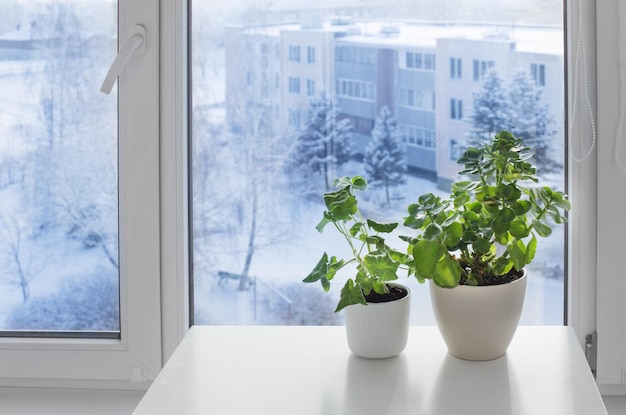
425,73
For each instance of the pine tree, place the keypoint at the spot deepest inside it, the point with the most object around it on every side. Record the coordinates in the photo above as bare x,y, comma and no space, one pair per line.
325,142
530,118
385,158
491,107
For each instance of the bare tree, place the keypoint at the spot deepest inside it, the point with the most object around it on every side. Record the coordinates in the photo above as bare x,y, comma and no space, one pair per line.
22,262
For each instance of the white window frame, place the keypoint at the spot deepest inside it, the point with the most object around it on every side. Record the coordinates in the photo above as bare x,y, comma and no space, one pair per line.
154,235
135,359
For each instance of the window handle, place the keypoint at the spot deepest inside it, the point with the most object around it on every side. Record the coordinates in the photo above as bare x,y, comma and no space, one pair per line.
135,44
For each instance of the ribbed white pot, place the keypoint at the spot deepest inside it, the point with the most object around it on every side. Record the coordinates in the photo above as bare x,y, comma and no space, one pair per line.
478,323
378,330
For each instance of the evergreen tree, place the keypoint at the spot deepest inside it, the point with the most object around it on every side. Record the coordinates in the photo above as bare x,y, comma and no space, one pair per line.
517,107
385,158
530,118
325,142
491,107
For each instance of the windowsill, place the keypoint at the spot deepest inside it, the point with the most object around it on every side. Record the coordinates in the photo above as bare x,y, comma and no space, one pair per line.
53,401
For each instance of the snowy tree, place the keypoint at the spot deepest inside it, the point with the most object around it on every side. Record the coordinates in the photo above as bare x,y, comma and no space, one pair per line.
491,107
325,142
385,158
21,262
71,178
517,107
530,118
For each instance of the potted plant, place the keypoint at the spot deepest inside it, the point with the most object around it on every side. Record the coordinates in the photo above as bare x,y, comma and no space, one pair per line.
376,308
475,245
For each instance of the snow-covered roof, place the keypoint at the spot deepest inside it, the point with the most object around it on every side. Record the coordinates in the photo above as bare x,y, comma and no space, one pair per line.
397,33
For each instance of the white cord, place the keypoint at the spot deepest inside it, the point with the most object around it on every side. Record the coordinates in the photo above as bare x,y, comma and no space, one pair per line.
580,47
622,91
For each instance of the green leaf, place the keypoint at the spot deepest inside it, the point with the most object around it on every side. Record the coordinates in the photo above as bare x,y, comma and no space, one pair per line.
506,215
542,229
333,266
381,265
500,227
530,250
522,207
342,182
519,229
502,266
320,270
380,287
359,183
414,222
454,233
482,246
517,250
341,204
355,229
461,200
325,221
382,227
426,255
447,272
350,294
432,231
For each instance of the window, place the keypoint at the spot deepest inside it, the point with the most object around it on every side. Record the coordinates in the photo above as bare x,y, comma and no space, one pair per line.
455,68
310,54
294,53
86,176
294,85
237,277
355,54
429,61
456,109
481,68
417,136
310,87
456,150
355,89
538,73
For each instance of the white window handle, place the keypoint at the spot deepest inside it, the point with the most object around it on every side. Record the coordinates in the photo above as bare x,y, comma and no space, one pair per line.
135,43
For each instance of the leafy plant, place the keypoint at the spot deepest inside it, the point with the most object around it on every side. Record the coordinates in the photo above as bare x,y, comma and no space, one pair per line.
376,263
487,230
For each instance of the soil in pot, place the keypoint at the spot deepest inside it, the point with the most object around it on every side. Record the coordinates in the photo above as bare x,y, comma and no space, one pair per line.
395,293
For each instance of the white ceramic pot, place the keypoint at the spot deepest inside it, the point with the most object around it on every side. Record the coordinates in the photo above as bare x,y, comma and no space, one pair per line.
379,330
478,323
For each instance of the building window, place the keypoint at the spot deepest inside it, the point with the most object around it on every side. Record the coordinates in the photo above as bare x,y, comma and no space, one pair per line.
418,136
294,85
417,60
294,53
416,99
355,54
429,61
455,68
456,109
294,119
355,89
456,150
310,87
538,73
481,68
310,54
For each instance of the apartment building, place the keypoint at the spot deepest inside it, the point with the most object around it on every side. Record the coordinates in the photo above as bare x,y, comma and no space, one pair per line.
425,73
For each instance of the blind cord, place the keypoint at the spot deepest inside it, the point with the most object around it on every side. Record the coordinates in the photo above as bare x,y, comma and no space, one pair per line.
580,48
622,90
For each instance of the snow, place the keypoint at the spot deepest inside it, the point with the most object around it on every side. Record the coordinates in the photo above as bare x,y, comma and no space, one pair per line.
288,246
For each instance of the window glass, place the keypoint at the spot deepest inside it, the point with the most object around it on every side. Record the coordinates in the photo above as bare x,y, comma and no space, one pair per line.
58,169
257,182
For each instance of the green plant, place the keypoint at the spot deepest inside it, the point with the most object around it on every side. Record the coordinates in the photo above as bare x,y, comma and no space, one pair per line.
376,262
488,228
